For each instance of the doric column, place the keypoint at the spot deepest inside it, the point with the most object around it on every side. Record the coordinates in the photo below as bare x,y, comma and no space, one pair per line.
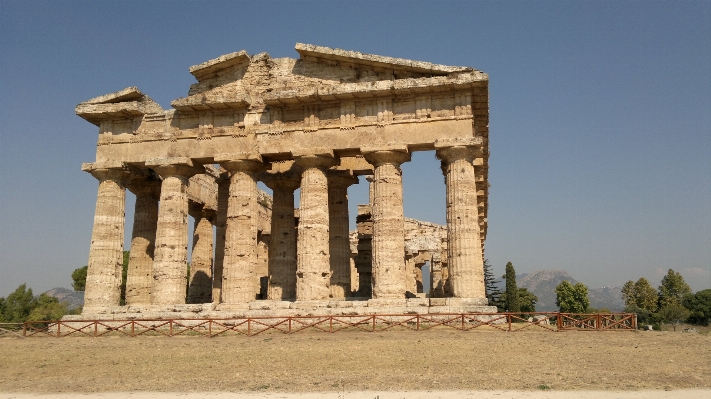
364,258
339,247
241,231
200,283
103,279
388,222
139,277
370,189
223,196
282,247
313,275
464,257
171,253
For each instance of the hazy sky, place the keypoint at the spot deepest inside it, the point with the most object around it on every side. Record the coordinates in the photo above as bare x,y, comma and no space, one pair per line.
600,118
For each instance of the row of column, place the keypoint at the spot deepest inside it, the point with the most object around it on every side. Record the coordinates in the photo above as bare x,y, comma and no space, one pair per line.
311,262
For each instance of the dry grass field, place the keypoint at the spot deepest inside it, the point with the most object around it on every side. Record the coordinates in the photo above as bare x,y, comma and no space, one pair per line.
392,360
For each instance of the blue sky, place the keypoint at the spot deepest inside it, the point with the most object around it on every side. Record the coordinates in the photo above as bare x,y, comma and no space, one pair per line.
600,120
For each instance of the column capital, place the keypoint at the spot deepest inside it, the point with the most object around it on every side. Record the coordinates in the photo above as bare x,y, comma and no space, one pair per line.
106,170
240,162
197,210
289,180
382,155
168,167
450,150
322,161
144,183
455,153
341,178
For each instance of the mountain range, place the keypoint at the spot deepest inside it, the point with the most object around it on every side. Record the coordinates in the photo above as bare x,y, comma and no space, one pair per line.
73,299
542,284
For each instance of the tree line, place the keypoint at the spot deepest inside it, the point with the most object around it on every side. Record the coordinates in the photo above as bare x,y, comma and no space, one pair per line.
673,302
22,305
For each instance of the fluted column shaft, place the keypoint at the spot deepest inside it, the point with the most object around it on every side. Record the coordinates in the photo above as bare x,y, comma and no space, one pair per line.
282,247
139,277
464,254
200,285
223,196
339,242
103,278
388,224
171,253
241,233
313,275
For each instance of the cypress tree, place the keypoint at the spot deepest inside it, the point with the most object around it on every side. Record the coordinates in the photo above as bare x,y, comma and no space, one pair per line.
493,293
511,289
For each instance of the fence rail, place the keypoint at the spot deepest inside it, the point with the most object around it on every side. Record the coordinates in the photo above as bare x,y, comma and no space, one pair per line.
251,326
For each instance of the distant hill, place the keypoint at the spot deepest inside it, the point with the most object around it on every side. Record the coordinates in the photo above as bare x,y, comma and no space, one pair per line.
73,299
542,284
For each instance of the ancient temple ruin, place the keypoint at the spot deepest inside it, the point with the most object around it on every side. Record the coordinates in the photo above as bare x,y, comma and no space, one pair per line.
316,123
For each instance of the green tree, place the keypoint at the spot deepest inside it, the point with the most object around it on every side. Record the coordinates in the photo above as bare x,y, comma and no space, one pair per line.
640,295
628,294
526,300
572,298
699,306
512,304
18,305
674,313
491,285
79,278
47,308
673,289
2,310
645,295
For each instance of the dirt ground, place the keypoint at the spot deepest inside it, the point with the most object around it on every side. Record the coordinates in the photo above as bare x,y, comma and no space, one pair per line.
360,361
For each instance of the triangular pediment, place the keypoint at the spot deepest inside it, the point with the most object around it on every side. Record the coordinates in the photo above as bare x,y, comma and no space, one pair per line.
129,102
209,68
372,61
238,80
125,95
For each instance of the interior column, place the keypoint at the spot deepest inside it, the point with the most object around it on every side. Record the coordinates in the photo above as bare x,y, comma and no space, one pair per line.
282,247
339,239
139,276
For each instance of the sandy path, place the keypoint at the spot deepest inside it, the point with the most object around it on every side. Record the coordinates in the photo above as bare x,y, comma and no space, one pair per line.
647,394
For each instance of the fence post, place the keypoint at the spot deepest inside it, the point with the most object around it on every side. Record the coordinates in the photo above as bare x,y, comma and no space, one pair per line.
559,321
418,322
598,321
24,329
209,328
508,318
133,328
96,328
290,325
330,324
249,327
373,317
634,322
